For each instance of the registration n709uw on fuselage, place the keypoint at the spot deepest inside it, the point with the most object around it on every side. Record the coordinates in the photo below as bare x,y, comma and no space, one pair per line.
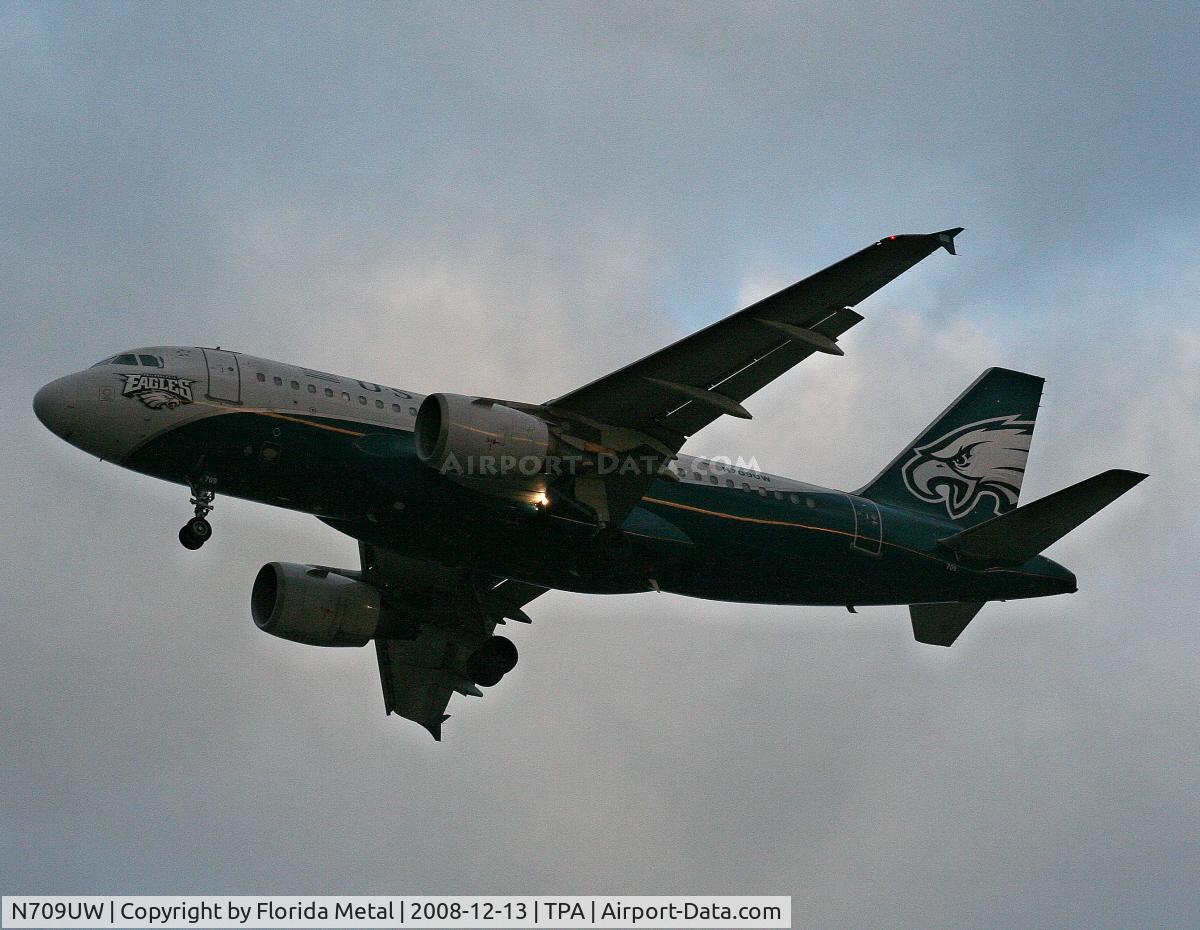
468,508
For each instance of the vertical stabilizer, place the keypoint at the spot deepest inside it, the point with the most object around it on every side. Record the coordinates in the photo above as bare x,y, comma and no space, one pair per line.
967,465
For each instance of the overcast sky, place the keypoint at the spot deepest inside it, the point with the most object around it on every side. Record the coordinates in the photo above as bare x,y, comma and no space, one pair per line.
512,200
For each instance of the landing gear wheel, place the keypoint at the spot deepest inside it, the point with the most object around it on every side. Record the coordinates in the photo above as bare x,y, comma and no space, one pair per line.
492,661
195,533
200,528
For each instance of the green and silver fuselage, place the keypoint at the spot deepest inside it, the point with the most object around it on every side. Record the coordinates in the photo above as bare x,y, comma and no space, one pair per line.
342,449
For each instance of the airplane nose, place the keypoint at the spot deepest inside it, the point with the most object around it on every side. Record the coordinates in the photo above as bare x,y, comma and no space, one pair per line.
56,405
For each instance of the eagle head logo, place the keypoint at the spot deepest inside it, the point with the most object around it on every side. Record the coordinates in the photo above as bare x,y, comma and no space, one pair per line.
980,460
158,400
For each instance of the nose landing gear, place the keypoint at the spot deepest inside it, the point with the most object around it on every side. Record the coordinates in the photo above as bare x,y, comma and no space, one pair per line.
193,533
196,531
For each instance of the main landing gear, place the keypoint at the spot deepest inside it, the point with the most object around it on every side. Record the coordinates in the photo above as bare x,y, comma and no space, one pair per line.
196,531
492,661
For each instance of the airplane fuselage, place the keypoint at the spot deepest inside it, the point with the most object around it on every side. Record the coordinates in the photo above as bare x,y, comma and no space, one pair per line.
343,450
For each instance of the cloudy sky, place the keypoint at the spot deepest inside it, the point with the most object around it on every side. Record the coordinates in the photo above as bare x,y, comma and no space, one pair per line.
512,200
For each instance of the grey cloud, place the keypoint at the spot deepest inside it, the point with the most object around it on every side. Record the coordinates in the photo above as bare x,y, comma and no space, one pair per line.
512,200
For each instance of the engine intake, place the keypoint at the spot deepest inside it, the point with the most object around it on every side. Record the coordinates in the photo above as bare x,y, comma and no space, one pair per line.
469,436
316,606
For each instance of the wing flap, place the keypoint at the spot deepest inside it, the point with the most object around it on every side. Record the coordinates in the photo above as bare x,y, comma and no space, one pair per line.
507,598
739,355
416,684
446,615
761,371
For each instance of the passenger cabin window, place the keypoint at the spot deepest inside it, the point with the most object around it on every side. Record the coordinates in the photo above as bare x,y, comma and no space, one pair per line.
729,483
328,392
794,498
295,385
278,381
260,376
412,411
396,408
379,403
312,389
362,400
346,396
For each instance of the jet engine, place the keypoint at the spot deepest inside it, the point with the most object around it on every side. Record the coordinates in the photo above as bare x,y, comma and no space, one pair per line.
474,437
313,605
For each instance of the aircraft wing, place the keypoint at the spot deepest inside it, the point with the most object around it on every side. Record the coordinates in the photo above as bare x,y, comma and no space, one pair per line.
678,390
416,683
443,616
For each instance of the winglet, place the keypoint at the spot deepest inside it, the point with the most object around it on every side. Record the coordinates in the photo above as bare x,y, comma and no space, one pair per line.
945,238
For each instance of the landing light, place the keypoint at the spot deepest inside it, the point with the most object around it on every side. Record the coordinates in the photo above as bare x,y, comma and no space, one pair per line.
540,500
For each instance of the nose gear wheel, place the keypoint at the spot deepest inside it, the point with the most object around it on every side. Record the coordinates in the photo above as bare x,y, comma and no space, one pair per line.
196,531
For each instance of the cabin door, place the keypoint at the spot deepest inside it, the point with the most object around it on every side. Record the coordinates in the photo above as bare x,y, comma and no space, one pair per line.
868,526
224,376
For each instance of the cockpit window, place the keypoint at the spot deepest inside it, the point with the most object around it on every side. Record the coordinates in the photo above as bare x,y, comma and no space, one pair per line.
128,358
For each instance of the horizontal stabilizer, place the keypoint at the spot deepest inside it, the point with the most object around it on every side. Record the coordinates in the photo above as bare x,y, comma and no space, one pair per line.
940,624
1020,534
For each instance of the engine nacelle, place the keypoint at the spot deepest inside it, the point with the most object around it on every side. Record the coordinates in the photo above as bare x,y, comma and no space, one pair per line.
312,605
467,436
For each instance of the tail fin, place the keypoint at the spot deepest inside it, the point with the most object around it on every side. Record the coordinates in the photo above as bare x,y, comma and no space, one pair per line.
967,465
1020,535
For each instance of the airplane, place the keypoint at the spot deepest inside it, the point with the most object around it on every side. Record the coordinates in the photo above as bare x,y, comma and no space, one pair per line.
467,508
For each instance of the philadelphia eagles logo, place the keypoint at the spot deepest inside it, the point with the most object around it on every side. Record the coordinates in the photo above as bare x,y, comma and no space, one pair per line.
158,391
981,460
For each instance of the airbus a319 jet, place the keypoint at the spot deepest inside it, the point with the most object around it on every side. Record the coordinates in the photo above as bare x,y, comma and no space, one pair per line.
466,509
